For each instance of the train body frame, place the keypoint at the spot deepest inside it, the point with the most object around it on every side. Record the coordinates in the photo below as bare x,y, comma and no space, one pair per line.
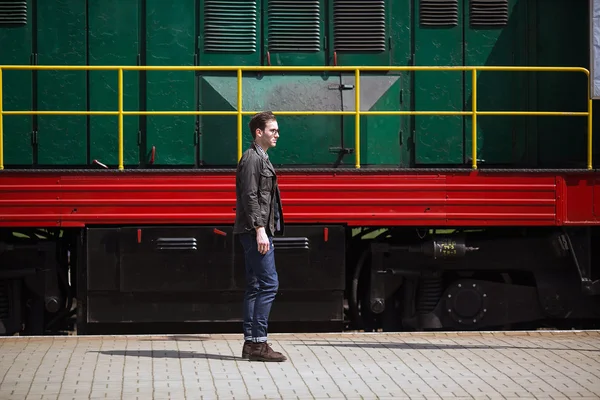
452,213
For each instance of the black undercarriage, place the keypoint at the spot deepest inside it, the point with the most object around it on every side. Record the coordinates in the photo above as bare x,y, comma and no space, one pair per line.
182,279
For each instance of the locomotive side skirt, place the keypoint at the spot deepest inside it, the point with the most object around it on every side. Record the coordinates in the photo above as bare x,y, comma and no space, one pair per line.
69,200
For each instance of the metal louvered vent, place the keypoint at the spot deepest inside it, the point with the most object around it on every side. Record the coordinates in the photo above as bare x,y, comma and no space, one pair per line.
230,26
438,12
291,243
177,244
294,25
13,13
489,13
359,26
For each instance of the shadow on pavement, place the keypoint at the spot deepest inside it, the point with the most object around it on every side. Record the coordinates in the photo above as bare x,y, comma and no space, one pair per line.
430,346
168,354
177,338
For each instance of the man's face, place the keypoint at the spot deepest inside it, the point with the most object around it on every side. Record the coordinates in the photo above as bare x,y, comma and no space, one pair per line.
268,138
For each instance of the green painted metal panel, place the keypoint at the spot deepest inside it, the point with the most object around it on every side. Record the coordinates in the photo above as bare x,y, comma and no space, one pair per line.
562,40
170,40
379,135
305,140
400,17
218,134
17,91
358,32
61,40
439,42
113,40
494,36
294,32
531,89
230,32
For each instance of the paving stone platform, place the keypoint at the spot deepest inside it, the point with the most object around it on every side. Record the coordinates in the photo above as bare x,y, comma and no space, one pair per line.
498,365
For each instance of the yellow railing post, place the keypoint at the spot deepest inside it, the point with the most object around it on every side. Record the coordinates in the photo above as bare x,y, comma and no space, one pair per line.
1,130
589,135
474,122
357,116
121,119
239,114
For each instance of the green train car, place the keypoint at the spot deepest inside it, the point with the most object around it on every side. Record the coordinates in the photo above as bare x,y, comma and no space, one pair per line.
295,33
413,239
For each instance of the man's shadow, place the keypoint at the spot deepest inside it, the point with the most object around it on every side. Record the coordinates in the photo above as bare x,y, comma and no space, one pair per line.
168,354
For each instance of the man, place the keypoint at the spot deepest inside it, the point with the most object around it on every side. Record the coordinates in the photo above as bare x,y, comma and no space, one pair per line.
258,218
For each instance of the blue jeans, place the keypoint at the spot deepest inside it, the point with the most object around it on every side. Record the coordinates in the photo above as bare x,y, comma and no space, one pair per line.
261,287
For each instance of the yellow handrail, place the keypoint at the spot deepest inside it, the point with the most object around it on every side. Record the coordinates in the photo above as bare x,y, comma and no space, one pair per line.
239,113
121,119
357,117
474,122
1,128
357,112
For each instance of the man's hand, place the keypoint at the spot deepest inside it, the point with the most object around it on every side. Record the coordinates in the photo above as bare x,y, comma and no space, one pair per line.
262,240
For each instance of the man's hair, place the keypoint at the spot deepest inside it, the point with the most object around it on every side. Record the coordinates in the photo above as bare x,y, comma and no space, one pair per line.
259,121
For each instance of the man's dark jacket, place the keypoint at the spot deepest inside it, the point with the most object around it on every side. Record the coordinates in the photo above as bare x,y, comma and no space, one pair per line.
257,195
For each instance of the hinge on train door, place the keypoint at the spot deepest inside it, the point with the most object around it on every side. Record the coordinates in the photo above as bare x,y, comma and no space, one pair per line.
34,138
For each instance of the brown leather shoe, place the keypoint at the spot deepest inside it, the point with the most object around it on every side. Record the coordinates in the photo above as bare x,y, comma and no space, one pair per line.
264,352
246,349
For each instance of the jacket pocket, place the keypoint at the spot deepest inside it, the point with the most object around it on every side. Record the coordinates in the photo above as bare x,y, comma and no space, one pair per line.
266,182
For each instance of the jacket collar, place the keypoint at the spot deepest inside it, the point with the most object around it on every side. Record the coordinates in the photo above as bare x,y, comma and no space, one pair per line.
262,154
260,151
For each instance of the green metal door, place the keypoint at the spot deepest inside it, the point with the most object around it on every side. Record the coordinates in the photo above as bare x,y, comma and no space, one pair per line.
561,141
438,38
15,35
61,40
359,36
113,40
400,17
230,34
293,33
379,135
494,35
170,40
305,140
